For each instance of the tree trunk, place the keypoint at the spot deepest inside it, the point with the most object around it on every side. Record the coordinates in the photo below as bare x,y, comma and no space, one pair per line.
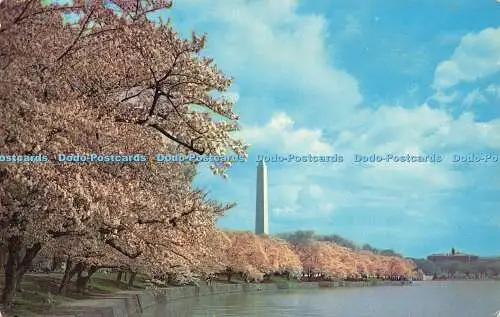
16,268
75,270
133,274
80,279
3,257
119,278
26,264
83,280
10,280
54,264
66,276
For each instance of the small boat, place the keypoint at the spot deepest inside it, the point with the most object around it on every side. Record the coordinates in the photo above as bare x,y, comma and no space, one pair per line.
497,314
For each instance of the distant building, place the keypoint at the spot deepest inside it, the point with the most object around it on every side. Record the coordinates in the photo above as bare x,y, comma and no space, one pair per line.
453,256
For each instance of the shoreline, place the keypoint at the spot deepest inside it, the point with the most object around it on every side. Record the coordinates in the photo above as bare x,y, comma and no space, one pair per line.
134,303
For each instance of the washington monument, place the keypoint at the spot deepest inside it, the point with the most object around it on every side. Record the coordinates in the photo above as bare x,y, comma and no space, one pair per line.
261,216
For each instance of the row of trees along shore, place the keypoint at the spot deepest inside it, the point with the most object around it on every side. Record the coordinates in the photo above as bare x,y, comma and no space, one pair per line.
114,79
229,255
483,268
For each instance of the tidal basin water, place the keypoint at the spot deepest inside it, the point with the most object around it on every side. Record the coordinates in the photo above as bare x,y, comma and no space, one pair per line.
422,299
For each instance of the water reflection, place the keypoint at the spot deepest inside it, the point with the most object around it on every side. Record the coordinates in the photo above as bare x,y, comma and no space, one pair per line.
431,299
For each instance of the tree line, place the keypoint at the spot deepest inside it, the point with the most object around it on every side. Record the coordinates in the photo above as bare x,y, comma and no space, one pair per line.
305,235
240,255
309,259
480,269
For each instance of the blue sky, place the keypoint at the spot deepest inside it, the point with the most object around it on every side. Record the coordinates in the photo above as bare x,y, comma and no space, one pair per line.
362,77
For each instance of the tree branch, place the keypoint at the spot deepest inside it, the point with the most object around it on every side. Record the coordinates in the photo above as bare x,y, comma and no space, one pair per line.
112,243
178,113
172,251
84,27
135,95
173,221
181,256
172,67
173,138
59,234
156,97
19,17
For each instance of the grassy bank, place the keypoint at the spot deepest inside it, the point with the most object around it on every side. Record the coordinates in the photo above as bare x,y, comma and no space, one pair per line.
39,291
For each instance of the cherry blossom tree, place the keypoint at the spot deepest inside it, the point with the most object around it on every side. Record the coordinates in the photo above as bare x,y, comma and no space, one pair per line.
248,254
281,256
110,82
245,253
333,261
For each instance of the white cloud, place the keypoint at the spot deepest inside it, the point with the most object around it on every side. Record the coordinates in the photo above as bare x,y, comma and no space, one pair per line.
284,211
299,202
493,90
474,97
308,190
326,207
315,191
444,97
477,56
280,135
389,129
352,27
272,47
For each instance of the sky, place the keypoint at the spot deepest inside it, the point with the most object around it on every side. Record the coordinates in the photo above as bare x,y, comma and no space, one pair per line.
352,77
